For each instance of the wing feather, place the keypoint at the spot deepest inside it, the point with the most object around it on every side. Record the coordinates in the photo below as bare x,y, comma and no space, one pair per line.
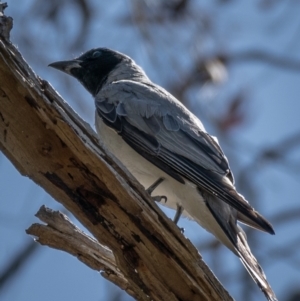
162,130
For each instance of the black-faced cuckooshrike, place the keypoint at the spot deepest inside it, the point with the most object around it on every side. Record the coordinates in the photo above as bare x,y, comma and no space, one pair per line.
162,143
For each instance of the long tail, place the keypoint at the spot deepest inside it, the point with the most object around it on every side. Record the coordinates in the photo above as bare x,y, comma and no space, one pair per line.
235,239
252,266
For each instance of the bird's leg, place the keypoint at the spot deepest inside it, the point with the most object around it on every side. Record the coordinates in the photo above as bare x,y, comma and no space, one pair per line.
151,189
177,216
178,213
154,185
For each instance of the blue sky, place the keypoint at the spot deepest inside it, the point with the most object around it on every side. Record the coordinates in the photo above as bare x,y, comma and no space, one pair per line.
272,114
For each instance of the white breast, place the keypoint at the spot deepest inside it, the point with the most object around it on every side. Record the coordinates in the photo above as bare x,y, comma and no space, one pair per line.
146,173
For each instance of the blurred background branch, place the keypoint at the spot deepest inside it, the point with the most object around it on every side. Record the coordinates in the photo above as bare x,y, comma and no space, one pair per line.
234,64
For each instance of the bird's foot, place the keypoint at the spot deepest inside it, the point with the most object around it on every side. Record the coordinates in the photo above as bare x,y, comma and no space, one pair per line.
150,189
178,213
177,216
159,198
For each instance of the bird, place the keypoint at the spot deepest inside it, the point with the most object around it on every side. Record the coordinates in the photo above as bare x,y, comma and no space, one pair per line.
167,149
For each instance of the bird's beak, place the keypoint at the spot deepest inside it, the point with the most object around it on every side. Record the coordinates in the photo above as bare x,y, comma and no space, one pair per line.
66,66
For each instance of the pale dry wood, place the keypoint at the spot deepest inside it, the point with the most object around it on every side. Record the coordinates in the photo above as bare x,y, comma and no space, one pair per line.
60,233
47,142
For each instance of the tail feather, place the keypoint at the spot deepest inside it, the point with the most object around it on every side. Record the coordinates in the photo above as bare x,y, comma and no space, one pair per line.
235,239
254,224
252,266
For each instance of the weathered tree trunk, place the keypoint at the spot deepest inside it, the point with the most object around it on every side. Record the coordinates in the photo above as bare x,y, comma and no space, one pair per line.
145,253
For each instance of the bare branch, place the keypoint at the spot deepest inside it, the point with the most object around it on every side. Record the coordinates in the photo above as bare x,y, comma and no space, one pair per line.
261,56
60,233
49,143
16,264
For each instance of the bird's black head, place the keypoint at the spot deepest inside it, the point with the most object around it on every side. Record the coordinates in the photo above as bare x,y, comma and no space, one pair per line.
92,67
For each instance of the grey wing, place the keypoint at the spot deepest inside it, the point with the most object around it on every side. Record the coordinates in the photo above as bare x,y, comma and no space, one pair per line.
162,130
157,113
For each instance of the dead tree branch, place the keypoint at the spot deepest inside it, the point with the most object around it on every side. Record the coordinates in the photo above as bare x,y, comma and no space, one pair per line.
47,142
60,233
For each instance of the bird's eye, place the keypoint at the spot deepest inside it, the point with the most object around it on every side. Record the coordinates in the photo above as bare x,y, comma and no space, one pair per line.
96,54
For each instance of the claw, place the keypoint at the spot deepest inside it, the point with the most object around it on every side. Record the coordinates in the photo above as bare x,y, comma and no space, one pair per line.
164,197
159,198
